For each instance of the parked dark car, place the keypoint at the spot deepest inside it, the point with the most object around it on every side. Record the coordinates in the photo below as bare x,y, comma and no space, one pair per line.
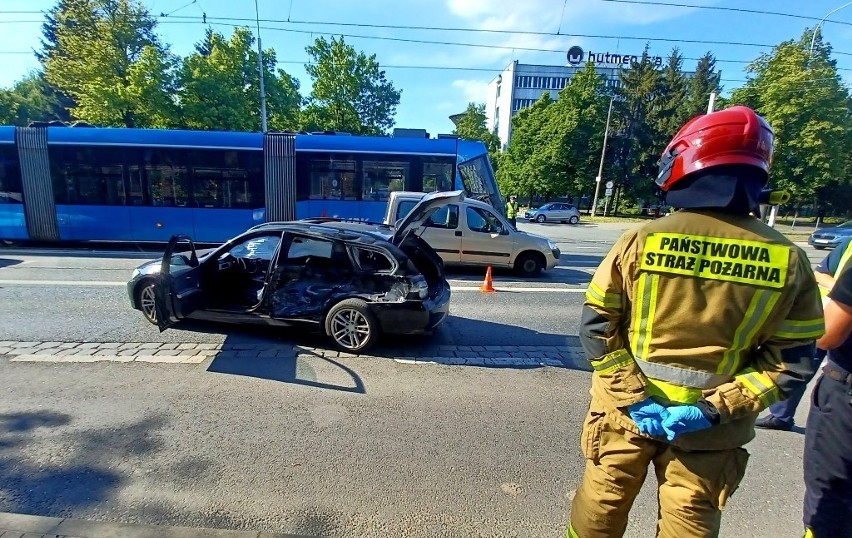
351,284
830,237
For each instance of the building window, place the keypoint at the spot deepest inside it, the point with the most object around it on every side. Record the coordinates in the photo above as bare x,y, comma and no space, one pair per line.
383,177
333,180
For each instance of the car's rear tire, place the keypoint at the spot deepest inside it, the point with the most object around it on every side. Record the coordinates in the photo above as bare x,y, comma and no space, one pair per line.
574,219
529,264
146,298
540,219
352,326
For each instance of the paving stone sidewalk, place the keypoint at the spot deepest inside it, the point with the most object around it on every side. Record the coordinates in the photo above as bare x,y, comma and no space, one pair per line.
27,526
197,353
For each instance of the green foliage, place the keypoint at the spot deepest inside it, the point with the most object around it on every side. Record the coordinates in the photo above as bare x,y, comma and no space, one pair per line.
471,126
807,105
350,93
105,55
30,99
556,145
220,86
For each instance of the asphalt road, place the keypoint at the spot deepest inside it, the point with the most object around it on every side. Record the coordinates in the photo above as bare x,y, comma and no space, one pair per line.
417,450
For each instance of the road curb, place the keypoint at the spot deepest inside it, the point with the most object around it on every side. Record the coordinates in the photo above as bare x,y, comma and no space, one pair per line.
200,353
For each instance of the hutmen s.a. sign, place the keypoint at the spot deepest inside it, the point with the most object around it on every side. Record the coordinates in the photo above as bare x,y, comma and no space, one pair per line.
576,56
717,258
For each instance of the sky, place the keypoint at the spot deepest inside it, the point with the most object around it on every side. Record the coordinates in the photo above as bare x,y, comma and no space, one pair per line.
439,79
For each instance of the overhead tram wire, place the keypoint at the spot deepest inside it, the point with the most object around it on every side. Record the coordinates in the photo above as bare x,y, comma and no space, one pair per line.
720,8
223,21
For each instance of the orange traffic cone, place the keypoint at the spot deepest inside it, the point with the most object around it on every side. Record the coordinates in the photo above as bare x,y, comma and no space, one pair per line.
487,286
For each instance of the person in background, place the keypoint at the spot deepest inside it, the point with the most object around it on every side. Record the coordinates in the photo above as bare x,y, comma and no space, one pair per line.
512,211
827,458
781,414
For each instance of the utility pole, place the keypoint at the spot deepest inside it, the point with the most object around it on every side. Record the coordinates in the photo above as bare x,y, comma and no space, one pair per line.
260,71
600,168
711,106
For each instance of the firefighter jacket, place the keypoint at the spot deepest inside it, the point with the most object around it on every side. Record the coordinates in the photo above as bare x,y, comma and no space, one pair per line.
702,306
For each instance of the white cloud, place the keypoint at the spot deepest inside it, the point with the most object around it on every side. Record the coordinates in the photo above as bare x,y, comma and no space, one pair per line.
474,90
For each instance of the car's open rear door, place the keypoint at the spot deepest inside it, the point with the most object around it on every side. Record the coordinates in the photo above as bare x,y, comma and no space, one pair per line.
178,290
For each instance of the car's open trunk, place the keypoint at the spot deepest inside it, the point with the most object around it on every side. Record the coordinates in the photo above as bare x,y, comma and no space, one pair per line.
426,261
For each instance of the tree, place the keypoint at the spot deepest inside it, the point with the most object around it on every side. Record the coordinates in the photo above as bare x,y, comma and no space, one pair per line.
637,142
704,82
671,113
105,55
471,126
29,100
219,86
523,168
574,134
350,93
808,107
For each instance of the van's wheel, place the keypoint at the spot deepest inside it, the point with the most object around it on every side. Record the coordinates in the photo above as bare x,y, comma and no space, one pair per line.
146,298
351,325
574,220
540,219
529,264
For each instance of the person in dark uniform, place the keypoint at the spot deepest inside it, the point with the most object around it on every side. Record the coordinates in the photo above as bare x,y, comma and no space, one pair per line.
781,414
828,440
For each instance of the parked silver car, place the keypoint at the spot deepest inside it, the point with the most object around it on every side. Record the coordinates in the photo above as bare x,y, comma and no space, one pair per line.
554,212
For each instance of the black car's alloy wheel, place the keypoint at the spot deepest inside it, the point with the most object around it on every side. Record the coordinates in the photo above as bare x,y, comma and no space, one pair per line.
148,302
351,325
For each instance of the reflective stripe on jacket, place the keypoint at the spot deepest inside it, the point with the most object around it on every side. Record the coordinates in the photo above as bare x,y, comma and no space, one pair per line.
511,210
702,305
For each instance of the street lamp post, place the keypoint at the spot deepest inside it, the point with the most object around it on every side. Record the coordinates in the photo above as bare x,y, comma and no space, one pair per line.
260,71
603,152
829,14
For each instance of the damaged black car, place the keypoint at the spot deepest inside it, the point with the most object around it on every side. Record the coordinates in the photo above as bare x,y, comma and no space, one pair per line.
351,283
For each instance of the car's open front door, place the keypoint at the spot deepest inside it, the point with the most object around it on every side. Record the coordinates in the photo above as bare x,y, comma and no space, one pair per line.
178,286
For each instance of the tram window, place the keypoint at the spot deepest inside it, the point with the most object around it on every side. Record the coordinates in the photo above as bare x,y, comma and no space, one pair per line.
88,175
383,177
166,177
227,179
333,180
11,188
437,177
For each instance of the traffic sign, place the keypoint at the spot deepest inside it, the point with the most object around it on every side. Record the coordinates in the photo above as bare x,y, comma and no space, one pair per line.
608,192
610,185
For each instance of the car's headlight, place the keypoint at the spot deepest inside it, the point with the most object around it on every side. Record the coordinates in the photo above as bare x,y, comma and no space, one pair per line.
136,272
552,244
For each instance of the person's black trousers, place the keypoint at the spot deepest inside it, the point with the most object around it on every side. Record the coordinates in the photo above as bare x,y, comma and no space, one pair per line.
828,456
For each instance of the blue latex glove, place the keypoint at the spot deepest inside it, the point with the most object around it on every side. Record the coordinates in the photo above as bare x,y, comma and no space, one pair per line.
648,416
684,419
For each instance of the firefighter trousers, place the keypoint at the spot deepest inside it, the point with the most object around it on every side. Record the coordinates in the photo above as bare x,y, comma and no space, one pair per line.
693,486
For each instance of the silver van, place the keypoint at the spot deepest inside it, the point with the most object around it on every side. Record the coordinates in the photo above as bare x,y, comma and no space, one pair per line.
473,233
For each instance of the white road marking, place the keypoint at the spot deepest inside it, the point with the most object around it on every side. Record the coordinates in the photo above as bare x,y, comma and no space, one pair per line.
85,283
522,288
82,283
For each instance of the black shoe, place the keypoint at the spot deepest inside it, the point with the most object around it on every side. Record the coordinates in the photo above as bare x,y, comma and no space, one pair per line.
771,422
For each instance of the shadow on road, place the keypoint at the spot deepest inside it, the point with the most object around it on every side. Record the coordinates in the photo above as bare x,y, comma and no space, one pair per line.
8,262
70,469
286,370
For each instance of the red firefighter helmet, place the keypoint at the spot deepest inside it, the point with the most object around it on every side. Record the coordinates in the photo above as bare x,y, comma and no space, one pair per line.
736,135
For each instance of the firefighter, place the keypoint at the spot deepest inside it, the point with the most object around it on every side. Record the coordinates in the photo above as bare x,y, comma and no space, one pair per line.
693,324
